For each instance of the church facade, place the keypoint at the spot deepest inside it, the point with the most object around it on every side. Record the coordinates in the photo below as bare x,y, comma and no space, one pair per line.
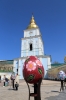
6,68
32,44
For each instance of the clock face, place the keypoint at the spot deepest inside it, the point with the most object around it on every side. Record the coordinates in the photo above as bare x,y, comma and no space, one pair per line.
31,32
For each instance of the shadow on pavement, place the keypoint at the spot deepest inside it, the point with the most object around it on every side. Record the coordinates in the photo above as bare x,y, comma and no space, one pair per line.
55,91
60,96
10,89
13,89
52,98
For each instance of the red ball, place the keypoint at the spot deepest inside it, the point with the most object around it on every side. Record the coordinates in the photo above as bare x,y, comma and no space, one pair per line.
33,70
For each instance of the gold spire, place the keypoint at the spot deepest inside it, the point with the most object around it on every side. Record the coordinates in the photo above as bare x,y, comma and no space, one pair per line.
32,23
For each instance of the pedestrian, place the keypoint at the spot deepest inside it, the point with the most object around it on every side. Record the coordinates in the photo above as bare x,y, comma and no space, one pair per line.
16,85
13,79
17,81
4,81
61,76
0,78
10,81
65,80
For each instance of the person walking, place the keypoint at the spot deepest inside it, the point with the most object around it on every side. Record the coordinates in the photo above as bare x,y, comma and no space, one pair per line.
61,77
17,81
62,87
65,81
13,79
4,81
0,78
10,81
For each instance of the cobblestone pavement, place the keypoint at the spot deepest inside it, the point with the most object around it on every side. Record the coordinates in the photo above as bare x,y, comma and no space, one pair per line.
49,91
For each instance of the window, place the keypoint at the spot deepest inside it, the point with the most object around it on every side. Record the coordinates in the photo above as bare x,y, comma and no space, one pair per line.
31,47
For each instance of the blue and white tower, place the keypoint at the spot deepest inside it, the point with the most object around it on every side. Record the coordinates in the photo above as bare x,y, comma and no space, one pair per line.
32,44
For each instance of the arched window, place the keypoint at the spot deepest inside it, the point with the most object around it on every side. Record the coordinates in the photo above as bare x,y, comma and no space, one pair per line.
31,47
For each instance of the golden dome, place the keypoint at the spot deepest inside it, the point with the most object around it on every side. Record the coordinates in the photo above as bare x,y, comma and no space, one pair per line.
32,24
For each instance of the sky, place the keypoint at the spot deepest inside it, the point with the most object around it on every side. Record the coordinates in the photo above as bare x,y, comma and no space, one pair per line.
50,16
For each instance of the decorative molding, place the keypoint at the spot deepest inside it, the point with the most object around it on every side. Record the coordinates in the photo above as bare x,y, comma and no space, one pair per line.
30,37
39,56
31,29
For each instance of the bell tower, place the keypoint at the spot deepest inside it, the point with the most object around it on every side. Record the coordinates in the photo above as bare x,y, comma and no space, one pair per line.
32,43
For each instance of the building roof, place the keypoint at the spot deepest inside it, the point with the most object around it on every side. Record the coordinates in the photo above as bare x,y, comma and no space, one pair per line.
57,64
6,62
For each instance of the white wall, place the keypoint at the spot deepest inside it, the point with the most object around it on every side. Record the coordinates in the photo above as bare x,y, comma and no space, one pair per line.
49,62
41,49
38,47
31,32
